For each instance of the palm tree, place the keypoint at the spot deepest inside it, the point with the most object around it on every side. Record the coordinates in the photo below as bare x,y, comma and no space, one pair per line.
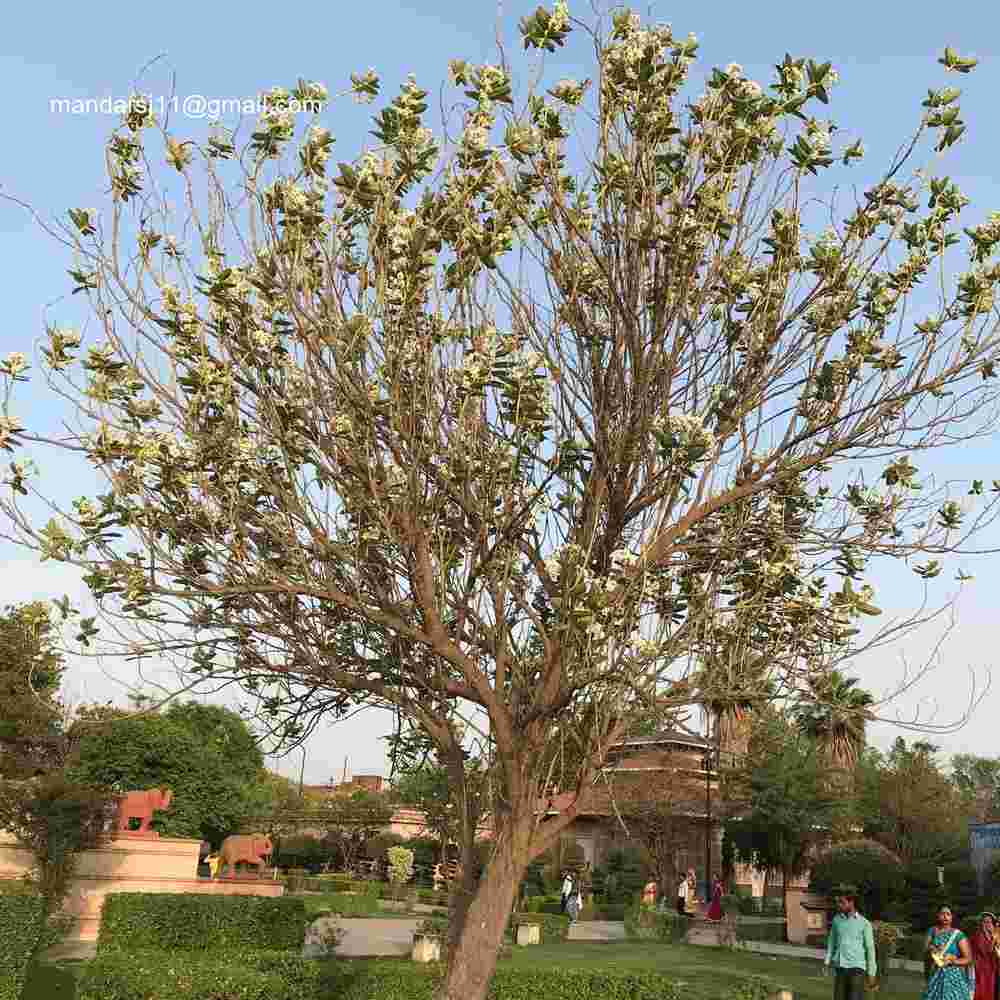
835,712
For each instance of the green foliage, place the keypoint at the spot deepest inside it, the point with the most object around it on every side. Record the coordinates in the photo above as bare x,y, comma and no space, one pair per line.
906,802
20,914
30,673
349,904
194,923
205,753
622,874
55,819
643,923
162,975
782,796
961,892
876,872
923,894
760,930
300,851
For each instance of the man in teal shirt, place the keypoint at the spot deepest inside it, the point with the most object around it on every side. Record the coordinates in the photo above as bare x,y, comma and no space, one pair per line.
850,949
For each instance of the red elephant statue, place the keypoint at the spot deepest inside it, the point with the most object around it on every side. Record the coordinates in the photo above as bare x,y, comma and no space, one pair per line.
141,806
251,849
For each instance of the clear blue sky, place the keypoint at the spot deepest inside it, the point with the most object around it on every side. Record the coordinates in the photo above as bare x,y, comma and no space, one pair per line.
885,52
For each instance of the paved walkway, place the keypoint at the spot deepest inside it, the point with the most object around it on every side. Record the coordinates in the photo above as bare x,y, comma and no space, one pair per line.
368,937
597,930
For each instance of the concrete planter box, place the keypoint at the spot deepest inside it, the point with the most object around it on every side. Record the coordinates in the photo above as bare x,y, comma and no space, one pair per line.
528,934
426,948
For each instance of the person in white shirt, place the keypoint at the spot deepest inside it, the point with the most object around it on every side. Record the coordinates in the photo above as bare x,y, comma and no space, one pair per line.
567,888
682,892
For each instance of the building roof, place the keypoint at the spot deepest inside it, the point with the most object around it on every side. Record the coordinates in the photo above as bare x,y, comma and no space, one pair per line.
675,736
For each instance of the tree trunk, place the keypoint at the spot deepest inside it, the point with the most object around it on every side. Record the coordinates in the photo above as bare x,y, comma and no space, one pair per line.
473,959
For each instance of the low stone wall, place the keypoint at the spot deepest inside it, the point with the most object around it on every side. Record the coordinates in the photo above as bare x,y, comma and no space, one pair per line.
132,864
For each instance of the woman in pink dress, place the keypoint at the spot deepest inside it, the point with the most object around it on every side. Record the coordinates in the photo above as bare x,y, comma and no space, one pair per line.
715,910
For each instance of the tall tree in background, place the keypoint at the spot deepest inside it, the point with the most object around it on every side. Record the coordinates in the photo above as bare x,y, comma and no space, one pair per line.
205,753
907,803
779,805
31,668
503,434
834,712
978,778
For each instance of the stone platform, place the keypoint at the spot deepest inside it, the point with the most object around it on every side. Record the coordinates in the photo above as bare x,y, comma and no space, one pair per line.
131,863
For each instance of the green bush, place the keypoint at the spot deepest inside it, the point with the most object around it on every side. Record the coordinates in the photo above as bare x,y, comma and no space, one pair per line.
163,975
402,981
349,904
622,875
178,922
644,923
874,869
19,916
772,930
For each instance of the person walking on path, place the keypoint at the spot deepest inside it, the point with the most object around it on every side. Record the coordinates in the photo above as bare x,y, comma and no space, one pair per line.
682,896
574,903
715,909
567,888
850,949
950,958
982,946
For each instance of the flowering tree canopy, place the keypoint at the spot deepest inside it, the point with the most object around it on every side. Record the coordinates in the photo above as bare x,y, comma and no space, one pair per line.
575,414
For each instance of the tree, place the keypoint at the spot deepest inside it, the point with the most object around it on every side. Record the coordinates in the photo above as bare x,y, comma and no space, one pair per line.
907,803
204,753
779,805
349,821
504,440
978,778
834,713
873,869
55,819
31,669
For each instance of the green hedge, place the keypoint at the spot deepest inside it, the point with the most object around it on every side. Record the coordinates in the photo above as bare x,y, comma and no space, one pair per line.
642,923
180,922
348,904
773,931
19,914
155,975
164,975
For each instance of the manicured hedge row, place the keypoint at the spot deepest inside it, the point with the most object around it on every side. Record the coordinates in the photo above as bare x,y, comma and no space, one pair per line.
772,931
177,922
19,913
164,975
161,976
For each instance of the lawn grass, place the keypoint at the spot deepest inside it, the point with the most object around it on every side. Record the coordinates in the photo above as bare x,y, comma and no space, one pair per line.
710,971
713,973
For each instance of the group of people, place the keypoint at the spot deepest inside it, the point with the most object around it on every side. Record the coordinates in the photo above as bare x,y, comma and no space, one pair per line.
686,896
957,966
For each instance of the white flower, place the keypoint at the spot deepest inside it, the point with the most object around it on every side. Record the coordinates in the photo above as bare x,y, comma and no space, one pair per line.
734,69
342,424
14,363
552,567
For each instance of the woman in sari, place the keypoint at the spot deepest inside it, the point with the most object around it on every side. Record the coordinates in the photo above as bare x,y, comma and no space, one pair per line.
949,957
983,948
715,909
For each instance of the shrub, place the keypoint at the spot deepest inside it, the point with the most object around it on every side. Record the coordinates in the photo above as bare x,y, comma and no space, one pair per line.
661,925
159,975
401,981
400,865
876,872
961,892
622,875
349,904
20,913
771,930
201,923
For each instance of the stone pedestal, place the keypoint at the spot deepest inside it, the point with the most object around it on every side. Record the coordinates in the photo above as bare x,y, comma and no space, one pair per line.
528,934
131,864
426,948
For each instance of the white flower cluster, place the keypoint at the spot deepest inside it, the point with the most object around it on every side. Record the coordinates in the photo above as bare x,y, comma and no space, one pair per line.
568,91
688,431
559,21
817,136
14,364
